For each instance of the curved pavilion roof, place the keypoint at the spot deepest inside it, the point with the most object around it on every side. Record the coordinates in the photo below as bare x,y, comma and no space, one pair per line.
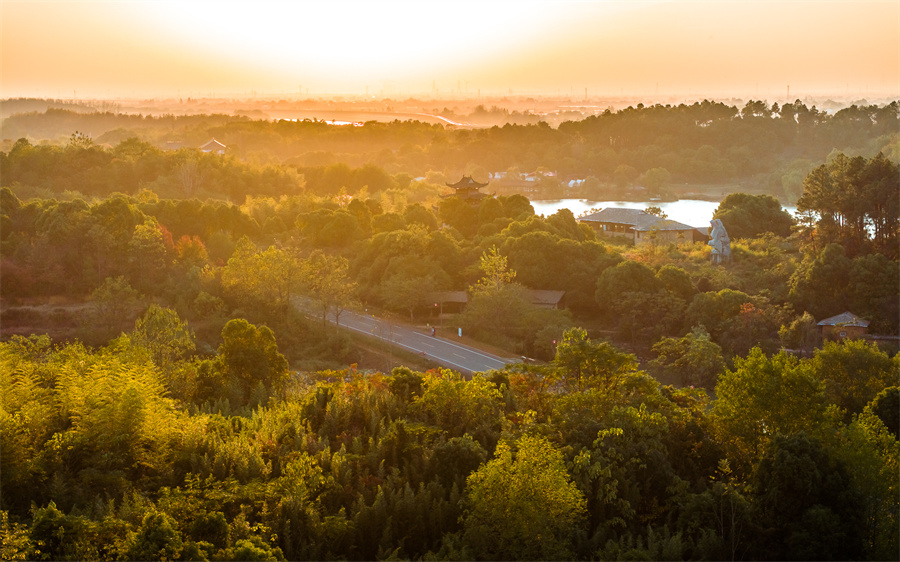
467,183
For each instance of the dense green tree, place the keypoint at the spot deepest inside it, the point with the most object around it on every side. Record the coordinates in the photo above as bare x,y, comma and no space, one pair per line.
625,175
626,277
677,281
845,197
363,213
625,473
15,543
871,454
164,335
804,504
330,228
820,284
115,302
156,539
326,280
412,290
830,283
269,278
655,180
460,407
522,505
885,407
507,317
875,292
545,260
9,204
713,310
252,549
62,537
249,355
374,257
644,305
764,397
417,214
648,316
388,222
718,518
583,363
497,273
802,333
459,214
749,216
854,372
456,458
756,325
106,412
148,257
694,358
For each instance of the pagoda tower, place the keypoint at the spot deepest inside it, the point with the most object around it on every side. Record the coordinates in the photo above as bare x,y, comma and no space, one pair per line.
467,189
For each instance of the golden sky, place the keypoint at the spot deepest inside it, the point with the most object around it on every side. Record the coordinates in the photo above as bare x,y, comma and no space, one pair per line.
192,48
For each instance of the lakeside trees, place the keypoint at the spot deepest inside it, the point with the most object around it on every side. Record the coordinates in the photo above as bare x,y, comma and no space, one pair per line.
854,202
749,216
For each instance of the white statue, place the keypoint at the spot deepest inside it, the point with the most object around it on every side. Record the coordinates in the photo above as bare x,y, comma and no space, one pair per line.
721,244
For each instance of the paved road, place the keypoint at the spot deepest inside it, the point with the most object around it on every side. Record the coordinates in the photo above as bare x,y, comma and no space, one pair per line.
442,351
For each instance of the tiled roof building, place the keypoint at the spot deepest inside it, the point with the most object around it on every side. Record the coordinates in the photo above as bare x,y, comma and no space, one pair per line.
642,227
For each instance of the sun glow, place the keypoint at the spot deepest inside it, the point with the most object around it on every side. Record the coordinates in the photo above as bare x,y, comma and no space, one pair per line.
355,42
463,47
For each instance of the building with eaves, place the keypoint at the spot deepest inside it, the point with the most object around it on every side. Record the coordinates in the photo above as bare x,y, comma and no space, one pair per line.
467,190
213,146
642,227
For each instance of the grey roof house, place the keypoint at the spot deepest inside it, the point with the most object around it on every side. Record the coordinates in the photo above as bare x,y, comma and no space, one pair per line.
642,227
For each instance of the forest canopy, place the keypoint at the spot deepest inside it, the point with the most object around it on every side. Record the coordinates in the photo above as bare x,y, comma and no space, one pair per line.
176,384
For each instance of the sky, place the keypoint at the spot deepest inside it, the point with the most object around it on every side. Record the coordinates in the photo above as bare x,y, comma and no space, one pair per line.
142,49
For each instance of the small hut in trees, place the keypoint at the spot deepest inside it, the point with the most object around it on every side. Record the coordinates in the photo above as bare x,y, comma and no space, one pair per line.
467,189
213,146
843,326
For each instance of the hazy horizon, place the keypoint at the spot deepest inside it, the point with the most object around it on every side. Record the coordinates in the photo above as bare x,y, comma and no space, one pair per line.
764,50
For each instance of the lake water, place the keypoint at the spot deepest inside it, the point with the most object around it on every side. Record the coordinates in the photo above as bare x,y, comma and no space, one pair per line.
692,212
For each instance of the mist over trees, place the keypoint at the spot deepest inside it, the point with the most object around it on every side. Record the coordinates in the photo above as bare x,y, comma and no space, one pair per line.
769,148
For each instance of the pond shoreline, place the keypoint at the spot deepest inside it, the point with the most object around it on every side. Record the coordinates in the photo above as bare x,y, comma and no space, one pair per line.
693,212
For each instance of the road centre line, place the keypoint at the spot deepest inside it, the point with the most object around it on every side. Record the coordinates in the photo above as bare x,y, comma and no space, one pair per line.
457,365
372,325
412,332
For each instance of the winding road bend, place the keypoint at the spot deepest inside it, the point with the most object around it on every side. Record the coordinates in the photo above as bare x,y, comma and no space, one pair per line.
443,351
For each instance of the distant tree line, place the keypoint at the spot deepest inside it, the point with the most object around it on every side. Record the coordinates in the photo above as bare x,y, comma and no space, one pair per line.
769,147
